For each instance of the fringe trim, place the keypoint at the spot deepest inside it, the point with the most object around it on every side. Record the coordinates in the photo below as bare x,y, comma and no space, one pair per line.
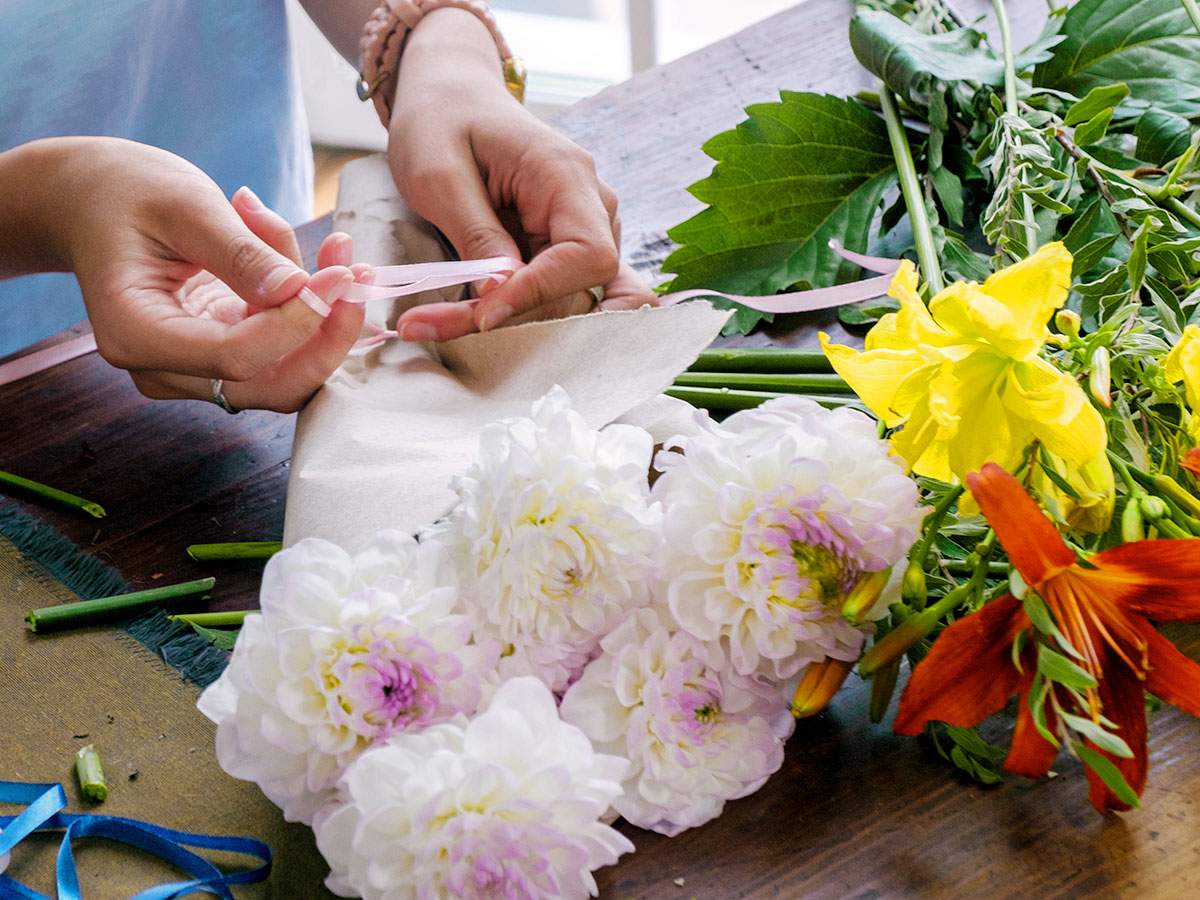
178,645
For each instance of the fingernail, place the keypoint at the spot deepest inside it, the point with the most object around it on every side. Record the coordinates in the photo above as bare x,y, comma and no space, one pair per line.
251,198
277,276
417,331
494,317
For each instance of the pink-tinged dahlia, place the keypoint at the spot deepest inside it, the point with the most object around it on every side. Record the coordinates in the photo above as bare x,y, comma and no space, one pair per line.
553,536
770,518
506,805
345,653
697,733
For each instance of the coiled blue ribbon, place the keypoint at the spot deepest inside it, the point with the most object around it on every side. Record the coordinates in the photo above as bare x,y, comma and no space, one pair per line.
43,804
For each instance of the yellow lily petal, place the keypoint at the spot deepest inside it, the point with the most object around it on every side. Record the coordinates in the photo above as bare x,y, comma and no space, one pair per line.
1092,481
967,310
1183,364
874,375
1035,287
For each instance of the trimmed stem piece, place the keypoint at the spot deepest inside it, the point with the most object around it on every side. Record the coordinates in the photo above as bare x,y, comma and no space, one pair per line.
767,381
53,495
106,609
242,550
760,359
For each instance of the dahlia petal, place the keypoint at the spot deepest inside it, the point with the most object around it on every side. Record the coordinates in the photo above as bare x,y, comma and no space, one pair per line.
1159,579
1031,541
968,675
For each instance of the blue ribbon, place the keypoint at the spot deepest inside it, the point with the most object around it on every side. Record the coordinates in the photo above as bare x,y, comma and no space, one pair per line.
43,804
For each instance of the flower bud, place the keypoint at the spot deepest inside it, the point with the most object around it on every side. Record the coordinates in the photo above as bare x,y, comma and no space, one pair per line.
864,595
883,685
912,589
820,682
897,642
1067,321
1153,508
1100,377
1131,520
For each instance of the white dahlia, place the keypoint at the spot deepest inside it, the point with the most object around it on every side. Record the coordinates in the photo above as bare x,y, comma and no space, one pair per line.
553,536
697,733
505,805
346,652
769,518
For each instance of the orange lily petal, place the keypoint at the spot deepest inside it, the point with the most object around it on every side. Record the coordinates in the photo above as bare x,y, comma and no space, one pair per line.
1159,579
1191,462
1030,753
1172,677
968,675
1031,541
1123,701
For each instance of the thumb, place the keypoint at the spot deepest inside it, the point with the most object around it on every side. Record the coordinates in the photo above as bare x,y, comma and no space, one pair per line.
212,235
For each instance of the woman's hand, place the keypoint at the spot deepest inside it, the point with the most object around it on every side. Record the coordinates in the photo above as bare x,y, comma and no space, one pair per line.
466,155
181,285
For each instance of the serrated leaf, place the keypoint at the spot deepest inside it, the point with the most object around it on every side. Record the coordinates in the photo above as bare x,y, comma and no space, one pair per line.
1098,99
1057,667
1161,136
1109,774
1149,45
1094,128
1105,740
794,175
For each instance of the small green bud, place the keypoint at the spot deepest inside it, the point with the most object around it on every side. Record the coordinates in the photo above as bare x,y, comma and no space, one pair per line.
1100,377
1153,508
912,589
1131,520
1067,321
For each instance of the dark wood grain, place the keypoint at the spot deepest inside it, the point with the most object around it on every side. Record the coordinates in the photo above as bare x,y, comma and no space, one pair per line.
855,812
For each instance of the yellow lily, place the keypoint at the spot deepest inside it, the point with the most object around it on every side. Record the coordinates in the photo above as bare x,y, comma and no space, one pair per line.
1183,364
965,379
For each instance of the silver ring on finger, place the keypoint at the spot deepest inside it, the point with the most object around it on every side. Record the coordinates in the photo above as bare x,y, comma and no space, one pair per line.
218,397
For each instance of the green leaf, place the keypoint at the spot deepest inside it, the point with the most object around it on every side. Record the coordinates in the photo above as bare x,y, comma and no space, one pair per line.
1150,45
963,263
794,175
1091,253
1105,740
1161,136
867,312
1037,708
1059,482
1100,98
950,191
1094,128
905,58
1137,260
218,637
1109,774
1057,667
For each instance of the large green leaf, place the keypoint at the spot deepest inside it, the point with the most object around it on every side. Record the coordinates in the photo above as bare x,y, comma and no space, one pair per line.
795,175
1150,45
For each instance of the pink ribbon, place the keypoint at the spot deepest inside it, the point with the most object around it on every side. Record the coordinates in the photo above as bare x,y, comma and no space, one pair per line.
401,281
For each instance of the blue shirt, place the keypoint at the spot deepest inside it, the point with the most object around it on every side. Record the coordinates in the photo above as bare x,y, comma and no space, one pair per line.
210,80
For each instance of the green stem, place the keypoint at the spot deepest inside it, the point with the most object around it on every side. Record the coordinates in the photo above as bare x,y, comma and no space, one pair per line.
932,523
215,619
1012,107
726,400
911,189
1185,212
105,609
1162,485
243,550
1193,12
766,381
1180,165
903,636
54,495
760,359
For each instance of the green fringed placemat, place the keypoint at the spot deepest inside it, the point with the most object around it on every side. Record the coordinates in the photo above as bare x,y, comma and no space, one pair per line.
100,686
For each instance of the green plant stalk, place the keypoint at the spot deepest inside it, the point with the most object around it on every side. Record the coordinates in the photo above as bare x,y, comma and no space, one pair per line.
767,381
242,550
911,189
1193,12
54,495
1163,485
1180,165
932,523
105,609
1185,212
90,774
760,359
1012,108
726,400
224,619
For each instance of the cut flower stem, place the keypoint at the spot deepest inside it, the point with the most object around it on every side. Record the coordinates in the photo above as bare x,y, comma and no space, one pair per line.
761,359
223,619
767,381
727,400
53,495
106,609
242,550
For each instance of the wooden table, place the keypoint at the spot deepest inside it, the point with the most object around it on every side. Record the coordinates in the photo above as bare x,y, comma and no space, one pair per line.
855,812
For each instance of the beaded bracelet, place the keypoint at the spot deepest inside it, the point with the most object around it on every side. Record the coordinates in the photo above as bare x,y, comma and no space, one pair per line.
386,32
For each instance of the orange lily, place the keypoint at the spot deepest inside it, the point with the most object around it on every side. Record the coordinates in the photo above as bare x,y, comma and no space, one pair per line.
1103,608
